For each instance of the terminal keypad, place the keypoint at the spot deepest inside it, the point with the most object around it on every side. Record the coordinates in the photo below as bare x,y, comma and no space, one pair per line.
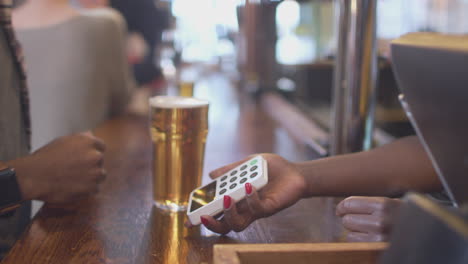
232,179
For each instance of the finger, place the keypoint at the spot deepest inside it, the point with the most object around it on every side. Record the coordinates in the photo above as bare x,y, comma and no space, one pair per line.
359,205
102,176
99,144
188,224
97,158
253,201
363,237
218,172
100,162
366,223
259,206
217,226
236,221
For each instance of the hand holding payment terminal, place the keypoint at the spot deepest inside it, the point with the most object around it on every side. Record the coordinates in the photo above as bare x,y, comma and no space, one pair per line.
208,199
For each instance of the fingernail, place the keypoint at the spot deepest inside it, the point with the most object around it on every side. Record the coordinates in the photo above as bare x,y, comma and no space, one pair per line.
227,201
248,188
204,221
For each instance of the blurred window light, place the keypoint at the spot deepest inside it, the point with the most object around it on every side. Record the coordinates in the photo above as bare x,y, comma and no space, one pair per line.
288,16
292,50
200,24
286,85
398,17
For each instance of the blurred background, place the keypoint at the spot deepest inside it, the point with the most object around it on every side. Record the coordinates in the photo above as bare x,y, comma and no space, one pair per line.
288,47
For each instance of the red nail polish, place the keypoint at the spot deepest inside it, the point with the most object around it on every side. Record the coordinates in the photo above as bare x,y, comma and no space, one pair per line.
204,221
227,202
248,188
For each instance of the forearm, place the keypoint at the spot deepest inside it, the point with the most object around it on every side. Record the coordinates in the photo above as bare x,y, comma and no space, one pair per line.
386,171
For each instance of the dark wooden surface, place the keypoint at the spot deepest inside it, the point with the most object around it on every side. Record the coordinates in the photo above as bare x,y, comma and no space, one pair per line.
120,224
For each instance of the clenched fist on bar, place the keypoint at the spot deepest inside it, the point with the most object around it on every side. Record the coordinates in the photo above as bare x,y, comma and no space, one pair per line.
67,169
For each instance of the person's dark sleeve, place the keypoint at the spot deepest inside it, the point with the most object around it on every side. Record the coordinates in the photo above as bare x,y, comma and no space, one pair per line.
143,17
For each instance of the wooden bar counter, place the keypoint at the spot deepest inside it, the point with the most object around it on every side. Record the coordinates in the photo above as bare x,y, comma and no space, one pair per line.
120,224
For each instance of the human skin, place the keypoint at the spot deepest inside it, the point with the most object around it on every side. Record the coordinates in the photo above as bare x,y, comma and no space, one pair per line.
368,219
67,169
389,170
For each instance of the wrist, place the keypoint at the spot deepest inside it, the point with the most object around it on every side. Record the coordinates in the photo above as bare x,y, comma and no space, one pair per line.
301,169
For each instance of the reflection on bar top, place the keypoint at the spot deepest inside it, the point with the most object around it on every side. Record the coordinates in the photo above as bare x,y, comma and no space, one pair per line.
434,41
177,102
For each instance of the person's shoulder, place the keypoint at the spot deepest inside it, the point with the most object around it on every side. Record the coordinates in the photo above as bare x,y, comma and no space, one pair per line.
105,17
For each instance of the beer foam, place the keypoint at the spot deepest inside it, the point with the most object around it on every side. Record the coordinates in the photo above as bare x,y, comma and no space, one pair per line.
176,102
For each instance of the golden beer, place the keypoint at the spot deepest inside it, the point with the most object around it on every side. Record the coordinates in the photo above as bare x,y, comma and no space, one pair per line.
186,89
179,127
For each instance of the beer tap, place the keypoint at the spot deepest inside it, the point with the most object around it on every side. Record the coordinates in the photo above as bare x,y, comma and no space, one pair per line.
354,92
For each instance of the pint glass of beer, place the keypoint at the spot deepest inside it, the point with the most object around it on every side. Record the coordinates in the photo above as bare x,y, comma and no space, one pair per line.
179,126
186,88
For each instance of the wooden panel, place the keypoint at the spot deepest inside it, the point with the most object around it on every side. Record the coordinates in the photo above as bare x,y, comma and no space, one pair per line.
330,253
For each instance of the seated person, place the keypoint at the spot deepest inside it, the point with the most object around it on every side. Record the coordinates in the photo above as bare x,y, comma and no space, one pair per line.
77,71
389,170
146,23
49,174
